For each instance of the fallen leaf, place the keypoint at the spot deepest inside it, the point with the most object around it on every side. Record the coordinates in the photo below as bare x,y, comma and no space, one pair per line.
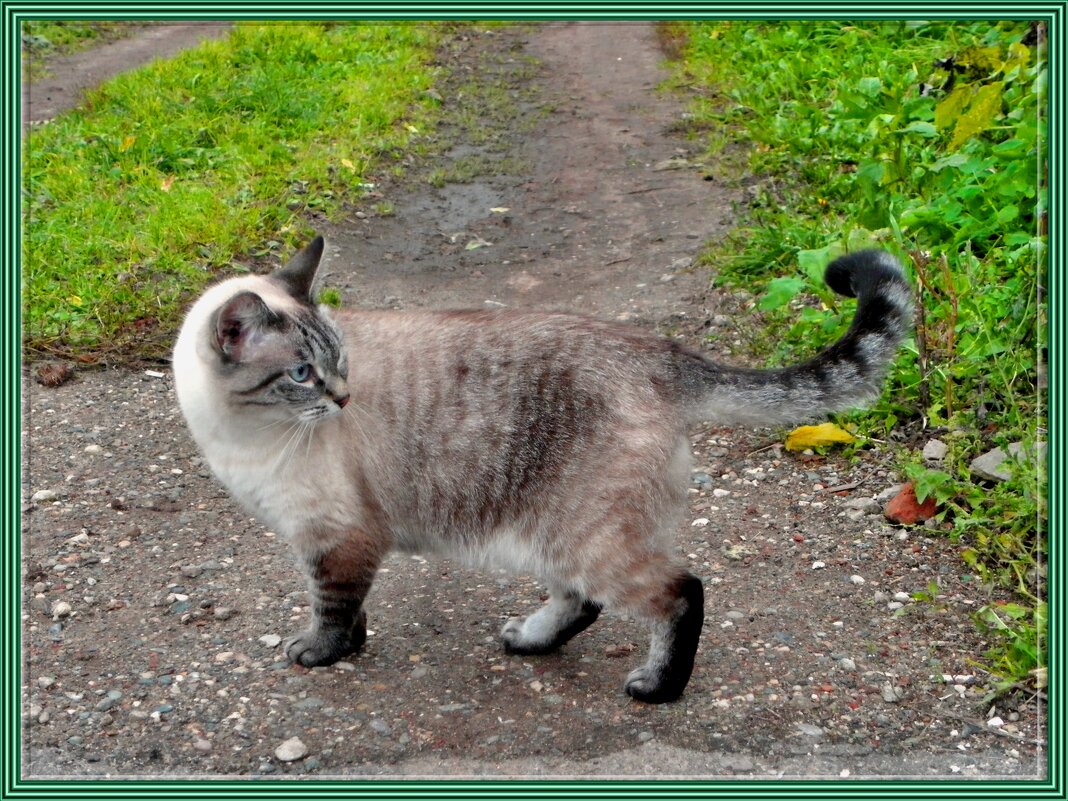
500,209
348,165
814,436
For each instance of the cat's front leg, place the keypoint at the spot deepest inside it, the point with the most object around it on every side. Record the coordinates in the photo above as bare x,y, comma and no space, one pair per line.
339,580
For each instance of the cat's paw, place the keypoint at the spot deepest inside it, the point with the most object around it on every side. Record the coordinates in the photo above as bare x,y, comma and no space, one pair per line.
515,643
652,687
319,646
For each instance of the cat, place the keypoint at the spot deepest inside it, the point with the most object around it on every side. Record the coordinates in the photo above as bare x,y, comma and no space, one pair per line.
549,444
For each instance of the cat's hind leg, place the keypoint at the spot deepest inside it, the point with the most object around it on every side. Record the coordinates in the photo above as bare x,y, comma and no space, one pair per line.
675,631
566,614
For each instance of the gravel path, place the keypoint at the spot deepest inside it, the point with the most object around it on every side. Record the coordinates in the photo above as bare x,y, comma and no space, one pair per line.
154,608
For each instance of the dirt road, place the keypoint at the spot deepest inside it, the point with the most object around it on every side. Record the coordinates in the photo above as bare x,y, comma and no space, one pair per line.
153,607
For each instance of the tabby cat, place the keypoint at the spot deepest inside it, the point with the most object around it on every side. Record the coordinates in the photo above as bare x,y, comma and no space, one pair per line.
548,444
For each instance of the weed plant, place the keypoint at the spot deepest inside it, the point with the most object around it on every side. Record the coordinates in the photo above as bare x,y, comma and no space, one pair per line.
167,174
925,138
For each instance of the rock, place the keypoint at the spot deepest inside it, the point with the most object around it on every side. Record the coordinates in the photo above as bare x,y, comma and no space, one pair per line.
202,745
191,571
991,465
720,493
291,750
380,726
93,449
271,640
60,609
44,495
808,730
857,580
892,694
868,506
905,509
223,613
645,736
889,492
847,664
935,450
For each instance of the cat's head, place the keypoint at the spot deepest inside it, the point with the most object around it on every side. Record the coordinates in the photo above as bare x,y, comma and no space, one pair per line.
263,348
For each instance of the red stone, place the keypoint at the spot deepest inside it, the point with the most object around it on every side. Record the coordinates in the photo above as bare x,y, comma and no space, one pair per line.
905,509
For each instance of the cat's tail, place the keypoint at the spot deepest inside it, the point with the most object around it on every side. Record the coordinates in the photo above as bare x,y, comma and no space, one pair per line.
844,375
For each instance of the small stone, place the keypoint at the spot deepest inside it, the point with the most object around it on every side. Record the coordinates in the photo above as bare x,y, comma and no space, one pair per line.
995,722
700,522
735,615
906,509
847,664
202,745
43,495
645,736
380,726
271,640
857,580
291,750
903,597
864,505
721,493
893,606
223,613
808,730
935,450
60,609
44,682
892,694
819,565
93,449
889,493
191,571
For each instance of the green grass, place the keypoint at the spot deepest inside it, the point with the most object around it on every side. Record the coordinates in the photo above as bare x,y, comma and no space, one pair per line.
66,36
167,174
921,138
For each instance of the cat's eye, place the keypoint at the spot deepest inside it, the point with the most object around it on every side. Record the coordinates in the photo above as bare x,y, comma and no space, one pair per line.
300,373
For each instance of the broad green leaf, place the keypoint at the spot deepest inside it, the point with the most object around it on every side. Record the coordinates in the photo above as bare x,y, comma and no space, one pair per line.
780,292
922,128
814,262
870,86
952,160
981,114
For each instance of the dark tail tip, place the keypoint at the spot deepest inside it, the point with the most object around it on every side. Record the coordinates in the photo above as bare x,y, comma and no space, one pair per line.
859,273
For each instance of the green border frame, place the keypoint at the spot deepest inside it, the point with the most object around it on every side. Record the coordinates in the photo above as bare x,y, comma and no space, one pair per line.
14,786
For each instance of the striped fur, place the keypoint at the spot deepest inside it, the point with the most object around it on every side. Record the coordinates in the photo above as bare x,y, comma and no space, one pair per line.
548,444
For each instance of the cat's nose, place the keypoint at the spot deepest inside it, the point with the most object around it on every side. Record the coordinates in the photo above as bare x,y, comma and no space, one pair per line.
343,401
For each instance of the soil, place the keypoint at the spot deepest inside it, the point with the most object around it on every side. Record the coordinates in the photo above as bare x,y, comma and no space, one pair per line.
153,606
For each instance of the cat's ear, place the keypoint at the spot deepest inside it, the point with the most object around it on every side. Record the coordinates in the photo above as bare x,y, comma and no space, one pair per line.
239,321
298,275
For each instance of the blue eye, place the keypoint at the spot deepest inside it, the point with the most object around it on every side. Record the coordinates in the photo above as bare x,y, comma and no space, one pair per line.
300,373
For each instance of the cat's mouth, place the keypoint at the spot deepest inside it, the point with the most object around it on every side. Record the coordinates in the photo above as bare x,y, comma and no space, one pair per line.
314,414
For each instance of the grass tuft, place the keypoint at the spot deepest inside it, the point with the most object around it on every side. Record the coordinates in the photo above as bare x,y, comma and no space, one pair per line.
166,174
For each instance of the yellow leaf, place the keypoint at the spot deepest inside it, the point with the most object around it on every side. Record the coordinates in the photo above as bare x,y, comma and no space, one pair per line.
127,143
500,209
348,165
412,129
949,109
165,184
815,436
981,114
75,300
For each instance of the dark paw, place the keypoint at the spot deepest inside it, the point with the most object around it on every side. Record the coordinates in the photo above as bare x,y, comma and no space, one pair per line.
652,688
324,645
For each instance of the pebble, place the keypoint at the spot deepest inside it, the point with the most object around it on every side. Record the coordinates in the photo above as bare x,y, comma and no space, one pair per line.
223,613
44,682
735,615
645,736
43,495
202,745
700,522
720,493
60,609
847,663
819,565
891,694
93,449
903,597
291,750
380,726
893,606
935,450
271,640
858,580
